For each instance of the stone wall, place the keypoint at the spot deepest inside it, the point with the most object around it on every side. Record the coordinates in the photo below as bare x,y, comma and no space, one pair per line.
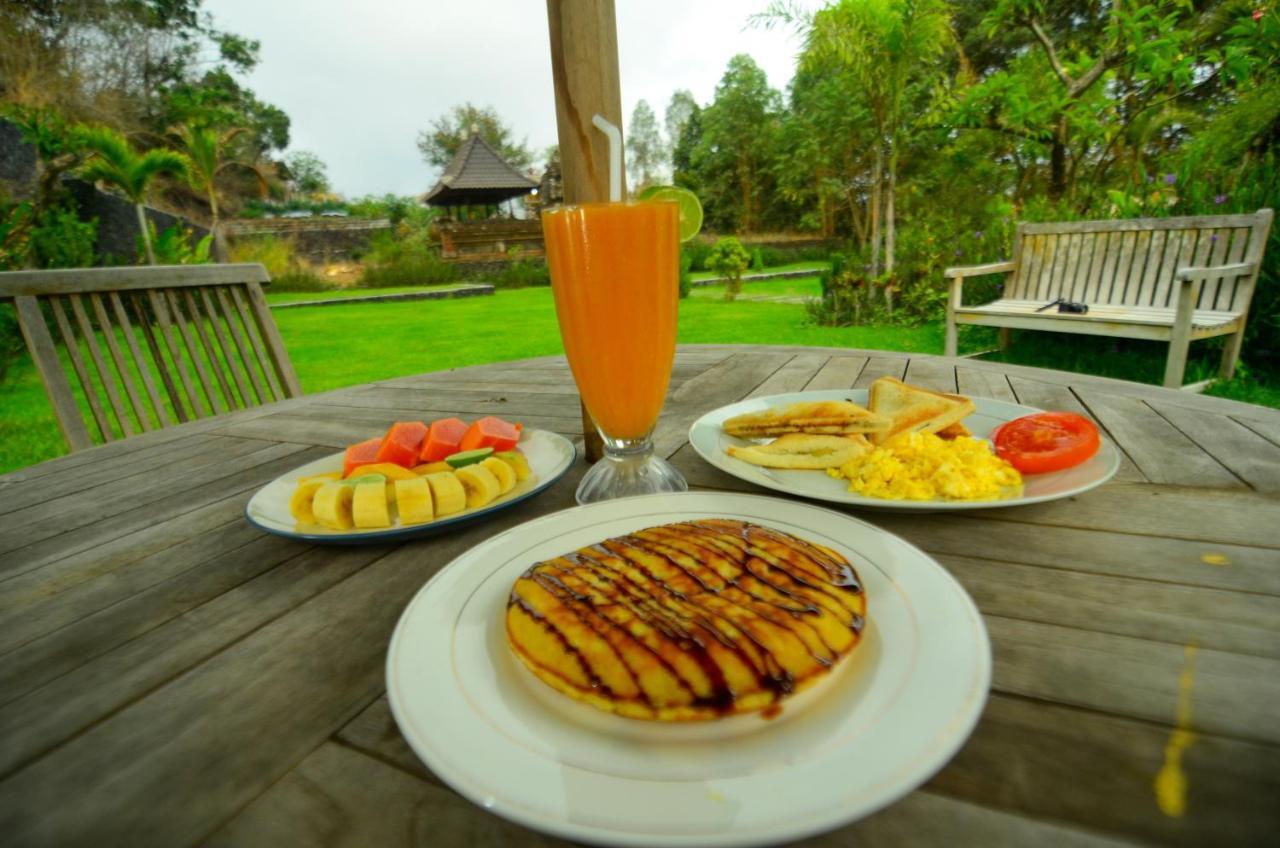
318,239
17,163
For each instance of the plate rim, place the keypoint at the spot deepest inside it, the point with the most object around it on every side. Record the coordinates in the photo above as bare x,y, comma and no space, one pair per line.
1107,451
950,739
399,534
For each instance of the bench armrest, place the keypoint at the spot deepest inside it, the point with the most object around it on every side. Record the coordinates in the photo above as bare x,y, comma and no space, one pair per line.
979,270
1213,272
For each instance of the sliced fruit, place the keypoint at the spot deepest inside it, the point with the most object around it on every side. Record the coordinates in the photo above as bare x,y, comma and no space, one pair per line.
688,203
442,439
389,470
332,506
518,461
369,506
365,478
448,493
491,432
402,443
361,454
413,499
505,474
300,503
480,484
469,457
431,468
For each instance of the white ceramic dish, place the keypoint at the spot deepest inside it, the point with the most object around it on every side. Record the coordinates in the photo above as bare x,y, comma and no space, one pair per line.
709,439
891,715
549,455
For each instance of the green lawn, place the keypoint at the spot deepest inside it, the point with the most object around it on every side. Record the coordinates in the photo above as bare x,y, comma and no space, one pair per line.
812,265
790,287
337,346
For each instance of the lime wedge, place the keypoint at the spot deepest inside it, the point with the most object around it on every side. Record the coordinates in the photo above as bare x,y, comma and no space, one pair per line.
690,208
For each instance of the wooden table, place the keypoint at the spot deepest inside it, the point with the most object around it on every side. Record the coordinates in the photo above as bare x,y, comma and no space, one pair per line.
171,676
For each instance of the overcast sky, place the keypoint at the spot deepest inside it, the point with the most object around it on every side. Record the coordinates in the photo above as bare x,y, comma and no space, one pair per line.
360,78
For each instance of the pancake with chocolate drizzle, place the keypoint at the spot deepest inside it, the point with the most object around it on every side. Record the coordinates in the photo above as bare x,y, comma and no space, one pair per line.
688,621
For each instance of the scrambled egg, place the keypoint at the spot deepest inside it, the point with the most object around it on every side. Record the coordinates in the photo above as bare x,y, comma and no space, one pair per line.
922,467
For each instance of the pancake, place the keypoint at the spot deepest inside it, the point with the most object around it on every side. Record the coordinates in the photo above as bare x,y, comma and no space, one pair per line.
687,622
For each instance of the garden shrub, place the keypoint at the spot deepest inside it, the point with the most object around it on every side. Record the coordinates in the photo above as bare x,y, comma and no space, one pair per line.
757,260
729,259
62,240
686,278
173,246
11,342
523,273
276,254
421,269
698,252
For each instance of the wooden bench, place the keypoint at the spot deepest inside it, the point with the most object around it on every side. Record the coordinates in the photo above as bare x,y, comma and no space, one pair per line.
1170,279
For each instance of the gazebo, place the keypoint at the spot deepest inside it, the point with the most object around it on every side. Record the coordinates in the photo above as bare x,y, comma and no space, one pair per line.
478,176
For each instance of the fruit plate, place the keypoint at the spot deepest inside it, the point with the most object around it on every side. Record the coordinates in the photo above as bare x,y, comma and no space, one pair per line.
549,455
889,716
709,439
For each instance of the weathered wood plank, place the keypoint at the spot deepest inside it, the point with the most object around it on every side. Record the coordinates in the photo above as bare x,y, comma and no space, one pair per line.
231,320
1269,430
249,685
340,431
980,383
250,471
122,368
69,280
56,387
1098,771
69,512
341,797
226,349
840,372
881,366
932,373
72,346
156,299
484,402
1060,398
792,377
1236,622
1250,457
227,401
262,360
214,401
1234,695
144,371
732,380
1163,454
277,360
1143,224
105,376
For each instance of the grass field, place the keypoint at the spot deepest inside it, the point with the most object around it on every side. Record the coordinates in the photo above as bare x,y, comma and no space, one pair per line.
338,346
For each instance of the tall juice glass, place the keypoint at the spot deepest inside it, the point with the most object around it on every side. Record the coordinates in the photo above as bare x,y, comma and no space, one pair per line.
615,276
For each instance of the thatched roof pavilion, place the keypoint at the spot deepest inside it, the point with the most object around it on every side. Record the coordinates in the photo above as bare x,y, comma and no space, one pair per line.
478,176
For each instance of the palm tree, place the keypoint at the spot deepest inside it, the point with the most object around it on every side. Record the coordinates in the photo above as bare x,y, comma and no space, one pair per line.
114,161
205,148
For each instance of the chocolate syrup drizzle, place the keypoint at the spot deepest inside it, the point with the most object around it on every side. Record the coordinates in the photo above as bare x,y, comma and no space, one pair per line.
707,602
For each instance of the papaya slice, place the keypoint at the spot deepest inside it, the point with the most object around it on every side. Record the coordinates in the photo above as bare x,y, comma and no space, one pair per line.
491,432
442,439
402,443
364,453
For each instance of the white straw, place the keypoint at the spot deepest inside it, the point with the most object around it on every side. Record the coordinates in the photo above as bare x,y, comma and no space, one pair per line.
615,156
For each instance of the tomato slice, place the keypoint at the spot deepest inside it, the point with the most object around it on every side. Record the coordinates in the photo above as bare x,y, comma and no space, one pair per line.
1046,441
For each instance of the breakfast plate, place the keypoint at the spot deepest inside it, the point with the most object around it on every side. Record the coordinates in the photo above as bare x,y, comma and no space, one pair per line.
549,456
708,438
886,719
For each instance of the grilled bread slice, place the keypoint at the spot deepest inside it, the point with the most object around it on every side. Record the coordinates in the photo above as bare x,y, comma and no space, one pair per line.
688,621
803,451
822,417
911,408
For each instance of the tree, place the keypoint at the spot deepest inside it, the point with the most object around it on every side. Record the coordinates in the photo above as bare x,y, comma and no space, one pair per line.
206,150
682,173
448,132
307,173
729,259
114,161
739,130
680,109
884,45
644,147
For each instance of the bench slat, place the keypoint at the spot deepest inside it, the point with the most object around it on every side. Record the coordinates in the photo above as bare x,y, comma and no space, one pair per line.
1155,315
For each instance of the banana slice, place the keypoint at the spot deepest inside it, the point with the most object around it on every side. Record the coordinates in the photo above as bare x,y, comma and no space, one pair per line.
480,484
332,505
369,506
300,503
518,461
505,473
448,493
413,498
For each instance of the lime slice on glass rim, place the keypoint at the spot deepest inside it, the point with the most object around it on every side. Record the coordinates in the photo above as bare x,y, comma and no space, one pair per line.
687,201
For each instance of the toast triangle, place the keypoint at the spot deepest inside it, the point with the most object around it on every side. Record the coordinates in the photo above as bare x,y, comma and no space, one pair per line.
912,408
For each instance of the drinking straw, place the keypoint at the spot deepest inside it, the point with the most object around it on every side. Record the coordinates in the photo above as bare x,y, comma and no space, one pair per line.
615,156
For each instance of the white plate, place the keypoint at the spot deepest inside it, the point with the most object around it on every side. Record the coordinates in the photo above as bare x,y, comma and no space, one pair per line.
709,439
891,715
549,455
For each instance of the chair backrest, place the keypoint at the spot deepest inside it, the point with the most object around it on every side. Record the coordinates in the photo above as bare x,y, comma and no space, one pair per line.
1133,262
133,337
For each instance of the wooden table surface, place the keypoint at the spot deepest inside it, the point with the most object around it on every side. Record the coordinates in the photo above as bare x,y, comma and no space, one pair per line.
171,676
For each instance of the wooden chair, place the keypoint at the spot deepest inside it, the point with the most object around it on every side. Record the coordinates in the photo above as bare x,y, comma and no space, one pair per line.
1170,279
158,325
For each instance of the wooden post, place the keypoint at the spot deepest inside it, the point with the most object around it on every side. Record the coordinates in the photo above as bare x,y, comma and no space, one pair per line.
584,68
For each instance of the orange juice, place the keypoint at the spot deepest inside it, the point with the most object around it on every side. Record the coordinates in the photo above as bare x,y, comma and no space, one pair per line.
615,276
